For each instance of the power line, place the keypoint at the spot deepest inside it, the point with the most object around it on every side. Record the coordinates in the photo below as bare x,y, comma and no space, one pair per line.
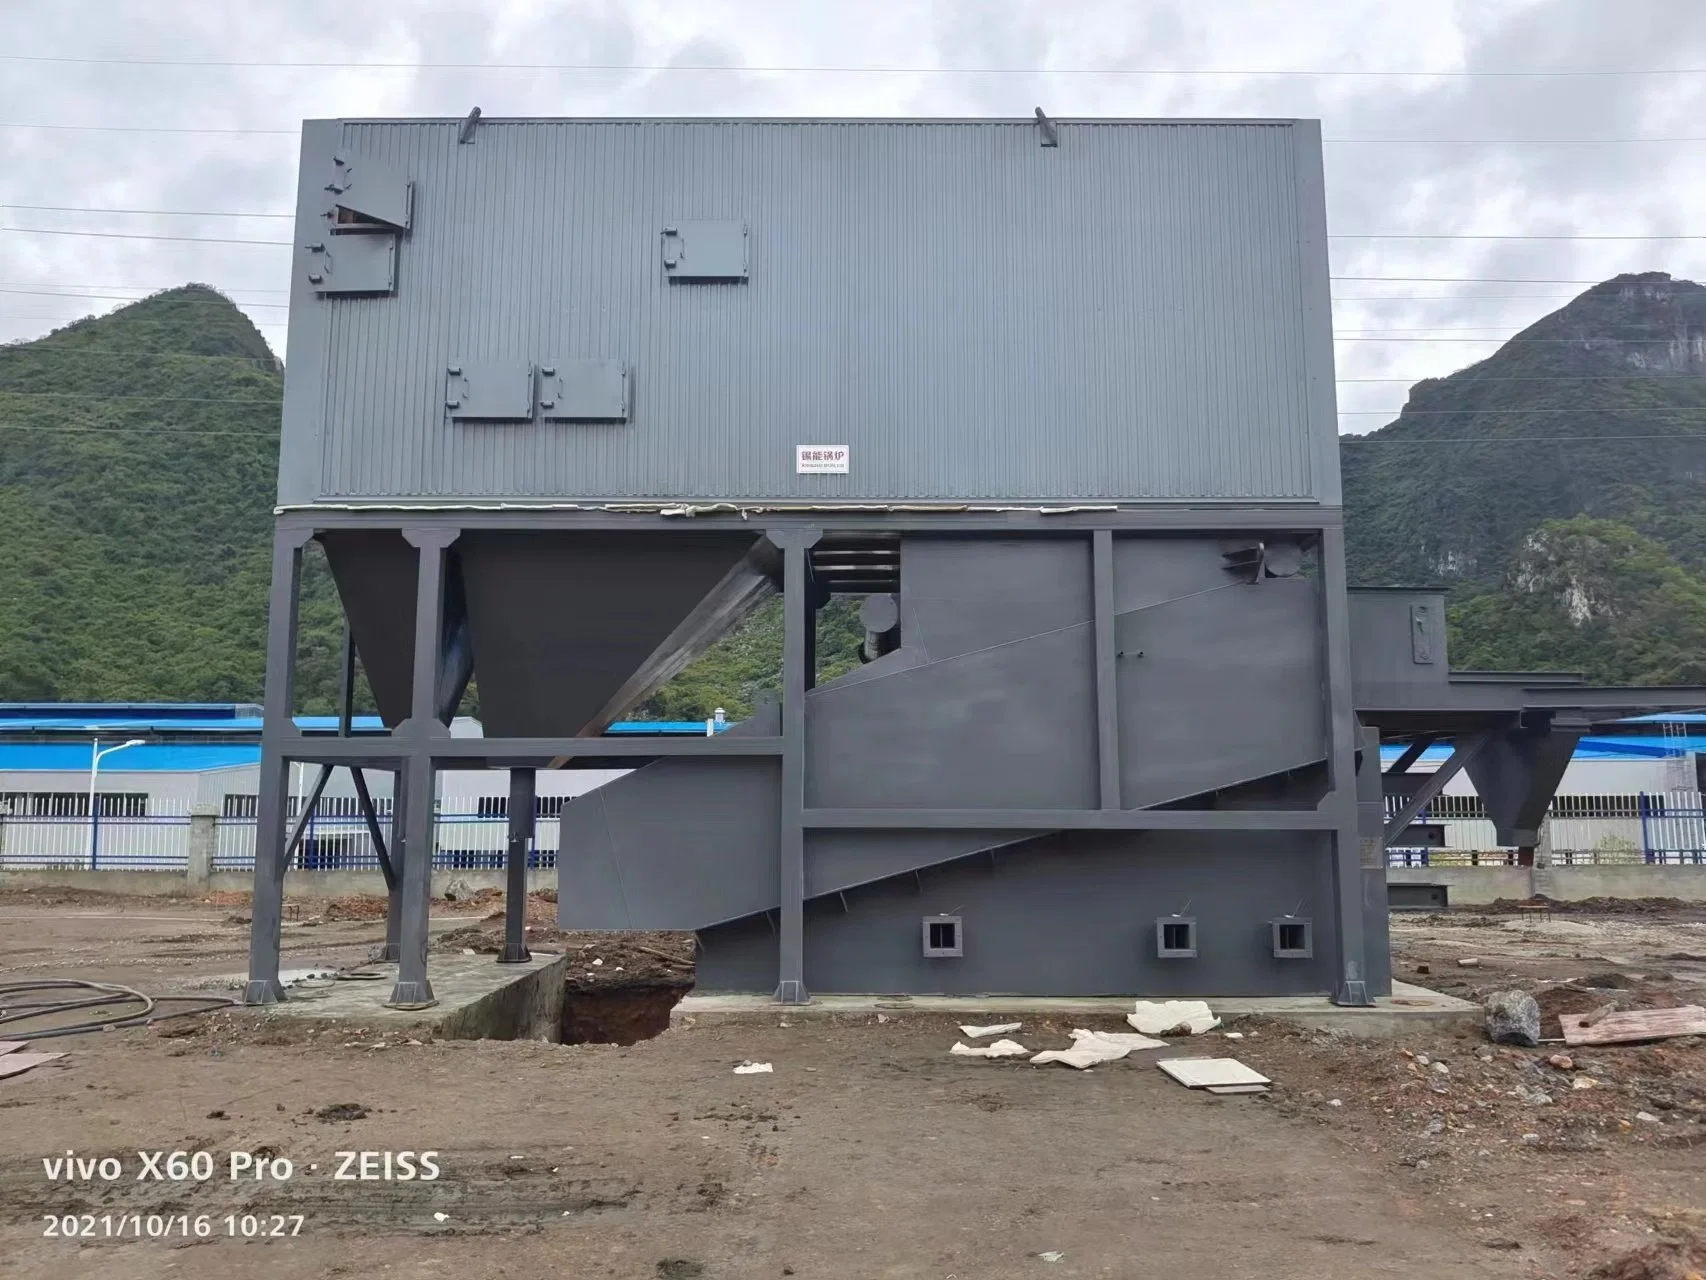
125,297
1348,235
1355,439
1343,141
138,235
151,213
133,431
1344,438
842,69
1644,411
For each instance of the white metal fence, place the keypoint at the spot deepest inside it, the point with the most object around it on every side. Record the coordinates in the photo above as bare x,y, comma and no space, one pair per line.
470,833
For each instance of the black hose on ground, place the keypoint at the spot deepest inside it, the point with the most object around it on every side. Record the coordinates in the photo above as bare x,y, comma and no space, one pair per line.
107,993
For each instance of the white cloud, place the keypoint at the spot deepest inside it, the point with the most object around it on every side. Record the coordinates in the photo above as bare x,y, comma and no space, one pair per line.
1393,187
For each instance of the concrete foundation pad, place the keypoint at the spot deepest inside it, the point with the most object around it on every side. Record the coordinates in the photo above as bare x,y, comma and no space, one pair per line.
478,999
1407,1009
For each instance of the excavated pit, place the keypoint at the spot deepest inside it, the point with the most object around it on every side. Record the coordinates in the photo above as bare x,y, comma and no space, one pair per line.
619,988
619,1015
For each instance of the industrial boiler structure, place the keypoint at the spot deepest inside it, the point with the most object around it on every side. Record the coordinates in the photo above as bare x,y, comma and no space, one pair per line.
567,399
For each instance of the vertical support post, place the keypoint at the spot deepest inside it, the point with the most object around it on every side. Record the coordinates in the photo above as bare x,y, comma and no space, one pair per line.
1352,854
795,545
1107,674
204,844
418,734
522,811
392,950
267,914
346,690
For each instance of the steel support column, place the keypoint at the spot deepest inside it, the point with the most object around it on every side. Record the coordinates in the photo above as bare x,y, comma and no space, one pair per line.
522,811
267,912
418,733
1107,672
392,950
1350,984
795,546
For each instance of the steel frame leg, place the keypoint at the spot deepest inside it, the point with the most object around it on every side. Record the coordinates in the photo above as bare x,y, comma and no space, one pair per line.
266,918
418,734
392,950
795,545
413,990
522,808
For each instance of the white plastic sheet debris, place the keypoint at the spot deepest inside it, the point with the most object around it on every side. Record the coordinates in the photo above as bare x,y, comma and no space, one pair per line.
1172,1017
1202,1073
977,1033
754,1068
1000,1049
1092,1048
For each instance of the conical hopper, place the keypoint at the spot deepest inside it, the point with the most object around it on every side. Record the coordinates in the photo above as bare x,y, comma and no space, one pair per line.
571,630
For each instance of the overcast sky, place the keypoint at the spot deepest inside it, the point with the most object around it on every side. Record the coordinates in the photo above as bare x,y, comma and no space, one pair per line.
1410,169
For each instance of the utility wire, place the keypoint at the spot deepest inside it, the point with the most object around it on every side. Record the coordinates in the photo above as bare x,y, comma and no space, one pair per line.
1345,141
1344,437
842,69
1348,235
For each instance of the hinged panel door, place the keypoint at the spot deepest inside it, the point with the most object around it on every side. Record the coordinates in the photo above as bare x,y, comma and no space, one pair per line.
709,251
493,391
352,265
365,195
583,391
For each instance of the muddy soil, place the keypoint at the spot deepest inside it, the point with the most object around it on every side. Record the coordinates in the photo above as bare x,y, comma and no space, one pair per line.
869,1151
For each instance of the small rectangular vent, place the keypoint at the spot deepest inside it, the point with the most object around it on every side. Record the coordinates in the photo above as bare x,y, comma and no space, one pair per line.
943,936
1176,937
1293,938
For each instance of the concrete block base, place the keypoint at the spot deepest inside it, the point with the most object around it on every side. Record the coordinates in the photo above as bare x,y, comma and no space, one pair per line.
477,1000
1408,1009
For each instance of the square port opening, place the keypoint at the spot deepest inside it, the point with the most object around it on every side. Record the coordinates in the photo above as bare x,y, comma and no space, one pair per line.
942,936
1176,937
1293,938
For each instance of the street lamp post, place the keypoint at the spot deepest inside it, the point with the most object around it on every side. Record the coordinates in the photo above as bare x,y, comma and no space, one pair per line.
95,754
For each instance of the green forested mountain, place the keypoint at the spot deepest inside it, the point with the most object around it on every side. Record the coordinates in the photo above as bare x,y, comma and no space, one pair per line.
1556,488
137,461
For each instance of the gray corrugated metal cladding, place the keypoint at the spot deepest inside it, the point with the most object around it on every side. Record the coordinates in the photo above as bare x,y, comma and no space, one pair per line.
937,311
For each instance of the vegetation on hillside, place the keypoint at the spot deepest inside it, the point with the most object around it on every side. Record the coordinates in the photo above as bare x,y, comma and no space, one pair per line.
137,461
1574,455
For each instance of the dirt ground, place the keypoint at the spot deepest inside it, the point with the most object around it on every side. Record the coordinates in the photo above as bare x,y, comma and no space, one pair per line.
869,1151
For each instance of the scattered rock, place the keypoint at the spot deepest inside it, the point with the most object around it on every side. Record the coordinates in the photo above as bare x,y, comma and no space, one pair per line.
1502,1242
341,1111
1531,1139
216,1115
1584,1082
458,890
680,1269
1563,1061
1422,968
1513,1017
1647,1117
1440,1069
1334,1102
1422,1060
1469,962
1485,1053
